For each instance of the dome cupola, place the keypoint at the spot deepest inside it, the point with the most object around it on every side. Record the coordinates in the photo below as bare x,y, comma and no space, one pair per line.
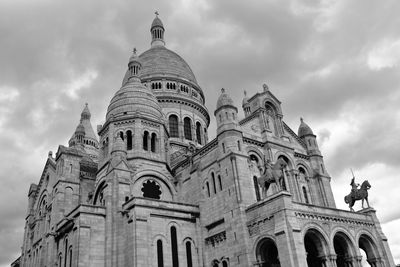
304,129
157,32
224,100
134,66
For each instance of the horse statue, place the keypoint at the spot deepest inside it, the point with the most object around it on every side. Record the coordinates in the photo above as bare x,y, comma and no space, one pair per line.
357,194
273,173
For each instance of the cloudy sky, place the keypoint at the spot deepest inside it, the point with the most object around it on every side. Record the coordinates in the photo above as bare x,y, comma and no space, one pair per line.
335,63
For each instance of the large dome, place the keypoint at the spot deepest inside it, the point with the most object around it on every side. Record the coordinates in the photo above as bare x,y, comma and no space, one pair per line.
161,62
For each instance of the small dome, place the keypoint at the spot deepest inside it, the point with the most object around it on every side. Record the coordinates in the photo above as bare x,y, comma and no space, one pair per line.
157,23
224,100
304,129
118,145
245,99
134,97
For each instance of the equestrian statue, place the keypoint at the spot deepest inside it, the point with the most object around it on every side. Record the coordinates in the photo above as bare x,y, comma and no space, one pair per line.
357,193
273,173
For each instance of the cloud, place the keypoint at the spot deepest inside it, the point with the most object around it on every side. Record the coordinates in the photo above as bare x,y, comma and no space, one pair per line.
384,55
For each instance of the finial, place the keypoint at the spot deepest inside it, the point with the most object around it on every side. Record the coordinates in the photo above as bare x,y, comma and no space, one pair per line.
245,92
156,13
86,104
301,119
134,51
265,86
222,90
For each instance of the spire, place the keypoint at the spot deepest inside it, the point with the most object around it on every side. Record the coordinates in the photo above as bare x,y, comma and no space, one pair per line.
85,115
134,65
157,32
245,98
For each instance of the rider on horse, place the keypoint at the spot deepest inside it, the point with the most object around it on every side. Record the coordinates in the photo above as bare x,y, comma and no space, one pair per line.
354,187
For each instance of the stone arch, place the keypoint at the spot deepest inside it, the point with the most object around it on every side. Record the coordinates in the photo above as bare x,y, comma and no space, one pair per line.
344,248
98,198
214,263
266,253
368,244
316,247
43,196
287,158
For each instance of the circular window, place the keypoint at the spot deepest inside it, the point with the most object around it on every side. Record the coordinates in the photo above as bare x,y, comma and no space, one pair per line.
151,189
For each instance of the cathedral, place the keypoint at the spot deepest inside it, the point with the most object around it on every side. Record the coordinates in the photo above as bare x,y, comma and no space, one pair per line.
148,187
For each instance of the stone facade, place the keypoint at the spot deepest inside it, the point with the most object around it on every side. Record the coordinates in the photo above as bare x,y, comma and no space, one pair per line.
152,190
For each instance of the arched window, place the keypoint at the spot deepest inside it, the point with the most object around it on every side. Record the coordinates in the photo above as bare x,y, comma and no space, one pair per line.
173,126
224,264
223,147
187,128
213,181
66,252
129,140
121,134
160,256
70,256
238,144
153,142
208,189
198,132
305,195
220,182
174,247
189,254
60,259
167,85
146,140
256,188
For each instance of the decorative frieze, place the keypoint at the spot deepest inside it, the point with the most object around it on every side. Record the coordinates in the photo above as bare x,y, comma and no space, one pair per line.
329,218
216,239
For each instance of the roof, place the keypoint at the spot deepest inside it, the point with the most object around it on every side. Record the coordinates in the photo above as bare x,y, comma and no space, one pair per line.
157,23
134,97
224,100
304,129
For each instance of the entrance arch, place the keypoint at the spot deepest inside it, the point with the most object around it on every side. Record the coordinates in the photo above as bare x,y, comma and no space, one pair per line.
267,253
316,248
344,250
366,244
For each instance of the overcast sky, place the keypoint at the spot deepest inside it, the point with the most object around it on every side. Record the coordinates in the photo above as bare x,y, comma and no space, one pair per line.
334,63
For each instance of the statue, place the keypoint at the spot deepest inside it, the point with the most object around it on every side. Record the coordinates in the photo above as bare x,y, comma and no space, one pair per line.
357,194
273,173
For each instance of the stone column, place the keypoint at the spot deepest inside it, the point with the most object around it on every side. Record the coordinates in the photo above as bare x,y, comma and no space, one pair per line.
332,260
358,261
325,261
